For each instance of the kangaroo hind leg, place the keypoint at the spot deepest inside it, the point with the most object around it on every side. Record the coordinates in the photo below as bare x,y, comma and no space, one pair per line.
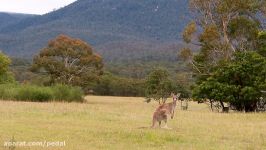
165,122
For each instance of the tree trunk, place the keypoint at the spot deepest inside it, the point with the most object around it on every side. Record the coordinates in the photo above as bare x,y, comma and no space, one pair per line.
222,104
211,105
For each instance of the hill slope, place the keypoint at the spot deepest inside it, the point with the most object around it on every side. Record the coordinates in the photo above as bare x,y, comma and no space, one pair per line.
101,23
12,18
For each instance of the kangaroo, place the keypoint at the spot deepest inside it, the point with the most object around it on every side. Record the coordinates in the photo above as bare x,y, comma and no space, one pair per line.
163,110
184,107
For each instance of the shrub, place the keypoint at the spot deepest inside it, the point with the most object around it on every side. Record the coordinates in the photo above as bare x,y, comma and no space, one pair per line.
34,93
109,84
5,75
40,93
67,93
7,91
6,78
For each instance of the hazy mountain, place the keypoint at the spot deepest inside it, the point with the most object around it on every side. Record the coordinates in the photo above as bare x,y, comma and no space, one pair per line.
111,26
11,18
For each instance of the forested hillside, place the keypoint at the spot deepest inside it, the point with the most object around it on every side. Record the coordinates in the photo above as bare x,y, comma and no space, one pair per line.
123,30
12,18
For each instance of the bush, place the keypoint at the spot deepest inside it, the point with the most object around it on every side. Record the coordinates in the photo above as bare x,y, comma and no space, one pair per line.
7,91
40,93
34,94
6,78
67,93
5,75
109,84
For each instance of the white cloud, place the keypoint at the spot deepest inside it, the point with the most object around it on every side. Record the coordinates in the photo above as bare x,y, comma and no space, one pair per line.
32,6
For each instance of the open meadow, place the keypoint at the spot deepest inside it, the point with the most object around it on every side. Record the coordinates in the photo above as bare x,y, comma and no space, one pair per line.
123,123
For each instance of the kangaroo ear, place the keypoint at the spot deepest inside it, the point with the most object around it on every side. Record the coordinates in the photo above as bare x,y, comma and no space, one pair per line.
172,94
178,94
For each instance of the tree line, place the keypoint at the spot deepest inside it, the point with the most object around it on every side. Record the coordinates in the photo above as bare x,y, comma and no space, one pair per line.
225,56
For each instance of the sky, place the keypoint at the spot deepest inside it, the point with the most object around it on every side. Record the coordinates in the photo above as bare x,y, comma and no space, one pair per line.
32,6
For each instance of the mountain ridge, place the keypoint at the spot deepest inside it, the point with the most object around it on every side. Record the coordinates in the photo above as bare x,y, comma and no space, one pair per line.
99,22
8,18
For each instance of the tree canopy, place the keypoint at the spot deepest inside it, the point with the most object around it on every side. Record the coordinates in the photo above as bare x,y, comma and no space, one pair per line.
110,84
159,86
228,66
220,28
240,82
262,43
68,61
5,75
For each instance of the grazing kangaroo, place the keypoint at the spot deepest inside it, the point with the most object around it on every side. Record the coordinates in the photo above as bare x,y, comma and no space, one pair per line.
184,107
163,110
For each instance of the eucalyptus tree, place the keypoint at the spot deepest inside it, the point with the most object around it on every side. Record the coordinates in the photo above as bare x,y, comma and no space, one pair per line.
225,31
68,61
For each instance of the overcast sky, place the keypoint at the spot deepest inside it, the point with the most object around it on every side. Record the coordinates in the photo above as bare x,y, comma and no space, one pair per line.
32,6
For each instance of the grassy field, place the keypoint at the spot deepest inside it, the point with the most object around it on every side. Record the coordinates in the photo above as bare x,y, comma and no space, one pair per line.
122,123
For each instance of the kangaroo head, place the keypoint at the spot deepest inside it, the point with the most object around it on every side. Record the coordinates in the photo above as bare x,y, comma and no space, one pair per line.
175,96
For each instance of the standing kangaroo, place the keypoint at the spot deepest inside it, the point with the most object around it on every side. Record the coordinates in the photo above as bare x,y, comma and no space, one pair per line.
163,110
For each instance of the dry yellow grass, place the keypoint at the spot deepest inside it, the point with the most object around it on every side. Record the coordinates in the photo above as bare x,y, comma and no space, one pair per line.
121,123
